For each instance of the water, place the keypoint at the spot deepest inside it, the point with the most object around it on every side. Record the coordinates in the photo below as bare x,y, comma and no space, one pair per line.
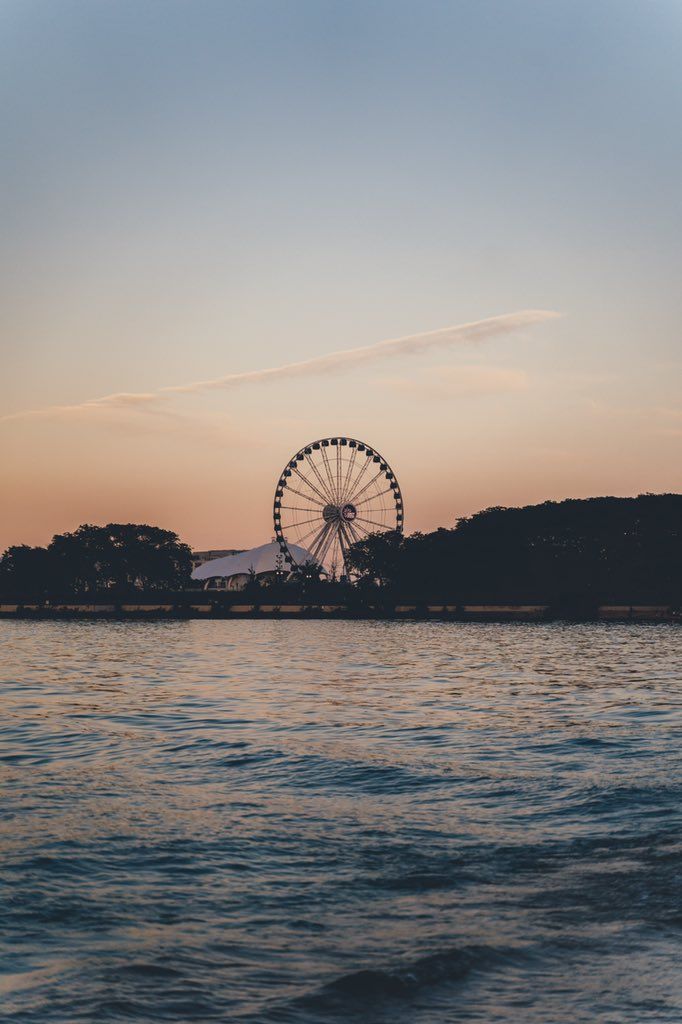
370,822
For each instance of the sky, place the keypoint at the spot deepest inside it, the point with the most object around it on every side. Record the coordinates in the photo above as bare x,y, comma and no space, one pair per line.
194,191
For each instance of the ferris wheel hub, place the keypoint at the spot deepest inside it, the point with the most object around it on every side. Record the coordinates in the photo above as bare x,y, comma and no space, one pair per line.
339,513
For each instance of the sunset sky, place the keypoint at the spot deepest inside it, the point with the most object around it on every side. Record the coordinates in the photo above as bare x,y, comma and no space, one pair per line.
193,190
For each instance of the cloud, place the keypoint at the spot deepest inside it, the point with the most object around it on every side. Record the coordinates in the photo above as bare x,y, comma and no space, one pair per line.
478,330
411,344
134,416
108,403
470,381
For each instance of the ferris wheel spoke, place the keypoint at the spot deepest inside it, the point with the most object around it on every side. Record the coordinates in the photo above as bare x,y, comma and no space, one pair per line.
322,559
364,533
306,496
317,491
342,535
382,526
368,484
305,535
357,523
320,554
314,548
321,541
356,482
349,470
328,470
327,545
323,485
351,529
296,508
343,545
311,485
304,522
371,497
348,536
337,553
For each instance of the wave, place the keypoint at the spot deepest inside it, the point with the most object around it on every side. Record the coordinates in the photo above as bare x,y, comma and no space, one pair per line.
353,993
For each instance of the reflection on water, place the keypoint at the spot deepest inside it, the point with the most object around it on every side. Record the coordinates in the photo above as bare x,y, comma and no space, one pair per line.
309,822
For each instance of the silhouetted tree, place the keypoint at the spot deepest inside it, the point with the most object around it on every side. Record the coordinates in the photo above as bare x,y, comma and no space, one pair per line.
572,553
113,557
26,570
379,556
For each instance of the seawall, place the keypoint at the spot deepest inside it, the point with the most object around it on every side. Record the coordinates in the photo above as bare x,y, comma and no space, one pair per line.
198,609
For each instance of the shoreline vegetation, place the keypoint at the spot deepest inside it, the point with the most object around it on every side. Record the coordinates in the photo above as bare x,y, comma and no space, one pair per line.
607,559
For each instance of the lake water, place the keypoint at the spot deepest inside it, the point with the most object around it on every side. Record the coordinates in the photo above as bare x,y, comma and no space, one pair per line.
341,821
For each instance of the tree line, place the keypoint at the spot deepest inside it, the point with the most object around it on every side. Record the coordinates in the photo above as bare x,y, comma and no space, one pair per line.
118,557
572,554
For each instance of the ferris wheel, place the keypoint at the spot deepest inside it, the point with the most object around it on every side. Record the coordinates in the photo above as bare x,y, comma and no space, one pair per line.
332,494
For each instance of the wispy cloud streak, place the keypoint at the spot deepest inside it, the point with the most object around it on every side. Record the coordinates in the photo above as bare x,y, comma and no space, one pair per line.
478,330
346,358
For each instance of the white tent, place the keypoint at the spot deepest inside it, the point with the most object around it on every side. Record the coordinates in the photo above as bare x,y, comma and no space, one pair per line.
266,558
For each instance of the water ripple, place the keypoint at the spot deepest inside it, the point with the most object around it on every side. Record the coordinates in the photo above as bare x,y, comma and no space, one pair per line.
413,823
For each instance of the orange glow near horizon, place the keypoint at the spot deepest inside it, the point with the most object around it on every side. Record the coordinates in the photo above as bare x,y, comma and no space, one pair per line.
297,228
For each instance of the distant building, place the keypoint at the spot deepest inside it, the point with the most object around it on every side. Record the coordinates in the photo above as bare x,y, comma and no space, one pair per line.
199,557
233,570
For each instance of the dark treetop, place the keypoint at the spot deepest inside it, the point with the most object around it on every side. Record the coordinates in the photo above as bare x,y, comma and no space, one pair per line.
113,557
593,550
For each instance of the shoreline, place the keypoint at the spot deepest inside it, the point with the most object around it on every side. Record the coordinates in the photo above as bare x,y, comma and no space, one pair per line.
165,610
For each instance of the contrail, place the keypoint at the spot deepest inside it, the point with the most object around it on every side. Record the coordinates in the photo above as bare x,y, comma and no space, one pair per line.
379,350
478,330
